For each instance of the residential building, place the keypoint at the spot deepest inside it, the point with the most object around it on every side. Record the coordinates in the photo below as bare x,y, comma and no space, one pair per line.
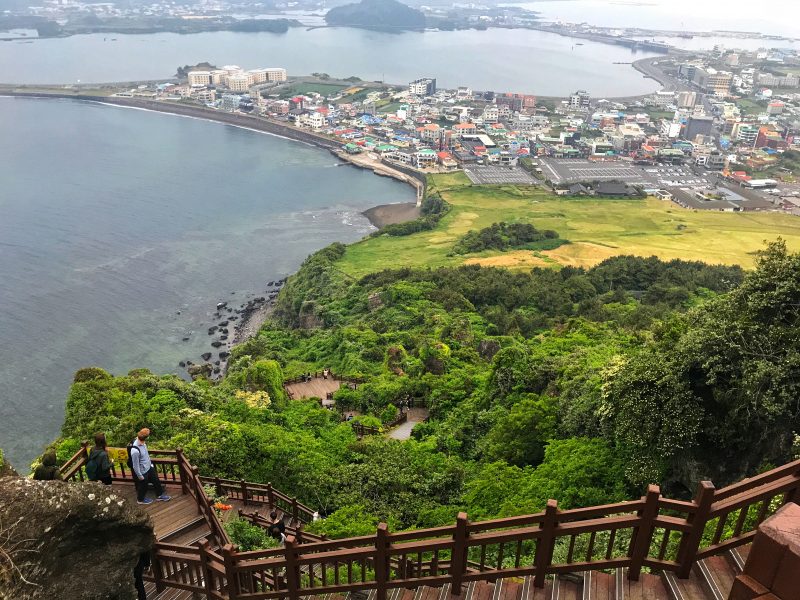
579,100
199,78
422,87
713,81
240,82
698,126
663,98
491,114
687,99
745,133
782,81
275,74
230,102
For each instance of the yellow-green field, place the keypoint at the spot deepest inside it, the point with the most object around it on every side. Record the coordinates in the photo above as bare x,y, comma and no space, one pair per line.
596,229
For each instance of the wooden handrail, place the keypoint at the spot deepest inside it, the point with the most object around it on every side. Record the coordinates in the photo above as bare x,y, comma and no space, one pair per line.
465,551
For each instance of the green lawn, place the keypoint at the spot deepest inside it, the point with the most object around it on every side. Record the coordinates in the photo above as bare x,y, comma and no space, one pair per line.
325,89
750,107
596,229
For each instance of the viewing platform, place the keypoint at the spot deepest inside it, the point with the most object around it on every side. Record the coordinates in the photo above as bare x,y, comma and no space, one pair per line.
653,548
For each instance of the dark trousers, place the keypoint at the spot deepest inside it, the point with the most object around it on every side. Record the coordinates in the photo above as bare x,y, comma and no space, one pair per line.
105,479
141,484
138,570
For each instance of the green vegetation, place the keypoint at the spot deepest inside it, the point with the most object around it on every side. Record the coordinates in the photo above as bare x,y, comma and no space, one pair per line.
432,210
596,228
307,87
248,536
751,107
502,236
576,384
389,15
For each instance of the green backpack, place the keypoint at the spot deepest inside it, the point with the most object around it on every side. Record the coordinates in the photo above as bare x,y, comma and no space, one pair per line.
93,467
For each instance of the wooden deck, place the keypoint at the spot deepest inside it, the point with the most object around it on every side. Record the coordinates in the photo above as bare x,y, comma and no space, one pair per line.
318,387
403,431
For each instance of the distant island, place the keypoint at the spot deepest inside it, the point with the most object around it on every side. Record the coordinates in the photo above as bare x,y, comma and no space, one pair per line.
389,15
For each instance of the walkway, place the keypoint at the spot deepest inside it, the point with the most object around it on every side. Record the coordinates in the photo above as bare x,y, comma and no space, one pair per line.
403,432
318,387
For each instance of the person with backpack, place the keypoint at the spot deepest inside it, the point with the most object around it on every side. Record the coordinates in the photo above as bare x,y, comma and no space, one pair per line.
277,529
98,467
48,470
144,473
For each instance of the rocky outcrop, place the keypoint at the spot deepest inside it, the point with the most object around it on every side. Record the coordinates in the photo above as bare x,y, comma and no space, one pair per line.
67,540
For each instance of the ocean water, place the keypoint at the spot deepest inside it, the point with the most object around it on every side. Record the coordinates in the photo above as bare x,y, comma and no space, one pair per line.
516,60
121,229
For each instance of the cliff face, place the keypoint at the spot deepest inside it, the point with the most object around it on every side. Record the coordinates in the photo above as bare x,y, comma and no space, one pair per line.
388,15
65,540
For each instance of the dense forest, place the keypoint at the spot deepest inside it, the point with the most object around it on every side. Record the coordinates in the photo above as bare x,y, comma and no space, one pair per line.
389,15
580,385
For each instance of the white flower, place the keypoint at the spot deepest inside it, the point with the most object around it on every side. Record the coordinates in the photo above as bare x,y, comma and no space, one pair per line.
91,496
108,500
105,510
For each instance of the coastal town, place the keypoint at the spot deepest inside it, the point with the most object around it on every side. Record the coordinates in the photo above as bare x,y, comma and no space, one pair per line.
723,133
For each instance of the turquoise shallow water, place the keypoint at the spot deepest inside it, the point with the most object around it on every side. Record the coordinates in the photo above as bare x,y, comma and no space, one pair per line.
112,220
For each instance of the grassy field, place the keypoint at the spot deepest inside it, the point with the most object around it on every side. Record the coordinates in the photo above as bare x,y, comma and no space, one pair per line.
303,88
596,229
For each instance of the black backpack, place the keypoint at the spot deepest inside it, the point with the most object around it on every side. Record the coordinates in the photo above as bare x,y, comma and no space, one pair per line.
129,449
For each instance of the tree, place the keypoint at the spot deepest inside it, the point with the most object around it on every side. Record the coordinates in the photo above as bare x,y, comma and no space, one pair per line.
519,437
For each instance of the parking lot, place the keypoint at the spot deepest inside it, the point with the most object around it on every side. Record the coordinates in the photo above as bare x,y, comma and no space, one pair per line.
486,174
682,181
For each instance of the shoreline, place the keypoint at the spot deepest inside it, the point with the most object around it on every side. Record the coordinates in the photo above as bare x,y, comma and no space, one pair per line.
253,123
250,316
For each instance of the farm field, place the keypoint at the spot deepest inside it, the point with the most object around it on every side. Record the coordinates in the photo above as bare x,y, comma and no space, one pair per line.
596,230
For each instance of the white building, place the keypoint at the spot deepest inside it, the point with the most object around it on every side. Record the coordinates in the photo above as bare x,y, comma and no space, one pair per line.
199,78
240,82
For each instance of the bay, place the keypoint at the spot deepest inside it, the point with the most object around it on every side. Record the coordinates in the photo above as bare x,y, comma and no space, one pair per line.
512,60
113,220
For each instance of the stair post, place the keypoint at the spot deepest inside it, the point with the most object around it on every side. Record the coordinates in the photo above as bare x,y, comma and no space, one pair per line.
690,542
198,488
381,560
231,576
643,533
208,575
155,567
243,486
292,569
270,496
295,511
547,540
182,470
458,560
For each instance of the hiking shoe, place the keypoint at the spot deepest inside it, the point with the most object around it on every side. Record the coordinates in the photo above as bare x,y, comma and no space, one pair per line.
145,501
164,498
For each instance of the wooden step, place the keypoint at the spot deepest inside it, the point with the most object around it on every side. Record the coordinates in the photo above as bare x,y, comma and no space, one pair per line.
597,586
716,576
684,589
565,588
648,587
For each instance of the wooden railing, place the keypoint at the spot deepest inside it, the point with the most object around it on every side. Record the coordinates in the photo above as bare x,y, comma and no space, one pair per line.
261,494
652,532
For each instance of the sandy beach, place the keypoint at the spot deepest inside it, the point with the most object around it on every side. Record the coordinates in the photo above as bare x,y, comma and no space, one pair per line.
390,214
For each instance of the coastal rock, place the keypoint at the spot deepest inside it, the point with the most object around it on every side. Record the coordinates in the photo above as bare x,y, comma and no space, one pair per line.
217,363
216,344
186,339
221,305
56,526
224,323
182,364
223,337
212,330
197,371
205,355
270,284
223,355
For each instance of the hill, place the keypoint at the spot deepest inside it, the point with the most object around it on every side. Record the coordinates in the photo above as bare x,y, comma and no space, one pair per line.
387,15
